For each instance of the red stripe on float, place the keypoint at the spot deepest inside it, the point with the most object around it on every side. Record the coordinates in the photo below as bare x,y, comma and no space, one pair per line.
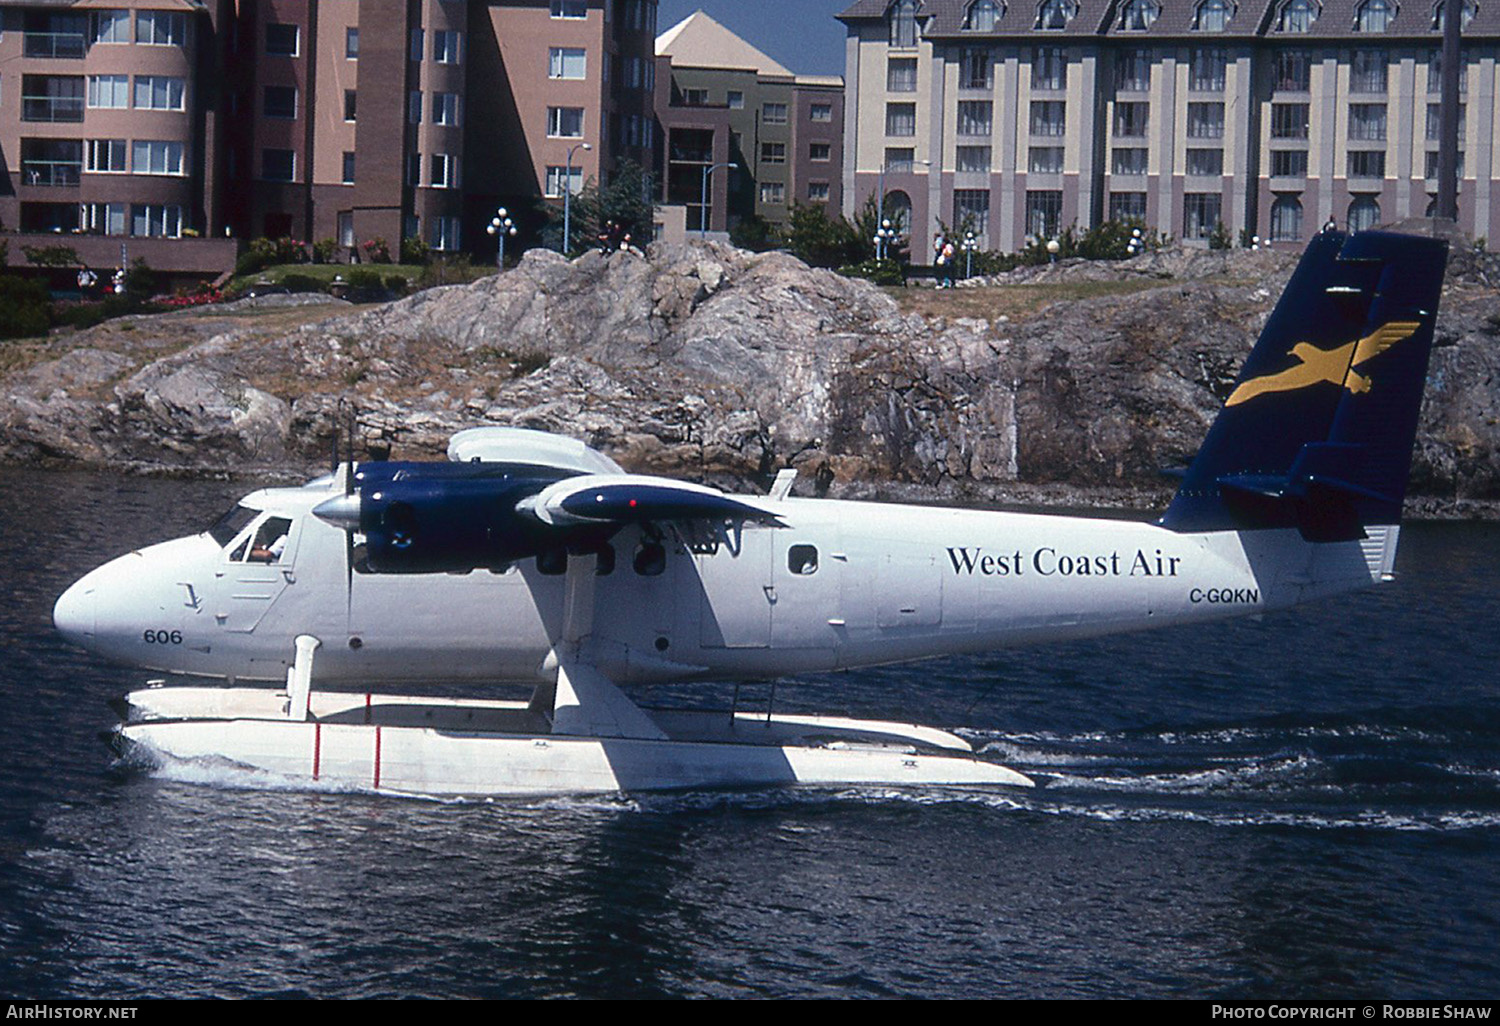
317,749
377,757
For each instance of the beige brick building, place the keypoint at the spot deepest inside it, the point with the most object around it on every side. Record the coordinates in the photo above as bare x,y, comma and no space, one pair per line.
1021,118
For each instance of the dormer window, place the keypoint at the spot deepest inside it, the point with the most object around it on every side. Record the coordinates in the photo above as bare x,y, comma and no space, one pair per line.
1138,15
1470,9
983,14
1298,15
1055,14
1213,16
1374,15
904,23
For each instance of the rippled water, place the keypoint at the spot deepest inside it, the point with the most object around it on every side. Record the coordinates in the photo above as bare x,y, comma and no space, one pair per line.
1305,804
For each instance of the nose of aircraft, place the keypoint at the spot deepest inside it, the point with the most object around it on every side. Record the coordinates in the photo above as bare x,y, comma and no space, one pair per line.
75,613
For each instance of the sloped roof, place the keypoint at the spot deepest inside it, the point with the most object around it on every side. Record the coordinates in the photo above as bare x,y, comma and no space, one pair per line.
698,41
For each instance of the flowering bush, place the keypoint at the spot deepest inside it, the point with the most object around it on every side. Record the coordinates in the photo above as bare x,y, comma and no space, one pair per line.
377,250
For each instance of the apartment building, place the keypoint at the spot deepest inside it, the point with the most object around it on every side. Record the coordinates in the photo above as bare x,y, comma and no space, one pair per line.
106,115
1019,119
728,102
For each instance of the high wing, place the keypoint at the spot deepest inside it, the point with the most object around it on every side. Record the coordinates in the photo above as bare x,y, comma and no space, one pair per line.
511,494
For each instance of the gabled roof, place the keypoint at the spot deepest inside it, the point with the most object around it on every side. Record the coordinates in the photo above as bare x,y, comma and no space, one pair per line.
698,41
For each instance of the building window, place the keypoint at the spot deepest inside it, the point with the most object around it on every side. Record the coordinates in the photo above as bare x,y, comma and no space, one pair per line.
1289,120
1049,68
904,23
1213,15
1133,71
1470,9
695,97
901,119
110,26
413,172
1435,74
1374,16
736,100
160,28
975,69
1055,14
106,155
442,233
973,159
772,192
346,228
414,106
1367,163
1200,213
982,16
1286,219
773,153
1297,16
565,122
110,92
1435,120
971,210
1288,163
1127,206
348,178
1045,160
901,74
1043,212
1205,121
351,44
283,40
445,108
559,178
158,92
278,165
156,157
156,220
54,98
281,102
817,192
1368,71
1049,117
104,218
445,46
820,151
975,117
1205,162
414,45
1129,160
51,161
351,104
1293,71
1206,71
774,114
567,62
1432,165
1364,212
1138,15
1367,121
571,9
1131,119
444,171
817,112
900,160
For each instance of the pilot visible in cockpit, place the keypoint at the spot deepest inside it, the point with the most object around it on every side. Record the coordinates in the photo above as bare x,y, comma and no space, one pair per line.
270,541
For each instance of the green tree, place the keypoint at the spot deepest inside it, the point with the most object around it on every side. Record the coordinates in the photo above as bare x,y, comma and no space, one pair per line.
756,234
24,310
625,202
820,240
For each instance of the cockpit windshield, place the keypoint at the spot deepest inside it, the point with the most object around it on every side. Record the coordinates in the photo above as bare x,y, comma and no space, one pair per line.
231,524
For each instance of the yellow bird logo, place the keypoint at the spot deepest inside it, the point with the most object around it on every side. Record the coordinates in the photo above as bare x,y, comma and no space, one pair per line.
1335,366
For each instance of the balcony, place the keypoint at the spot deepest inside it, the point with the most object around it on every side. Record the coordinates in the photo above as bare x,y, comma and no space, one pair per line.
51,172
65,45
52,108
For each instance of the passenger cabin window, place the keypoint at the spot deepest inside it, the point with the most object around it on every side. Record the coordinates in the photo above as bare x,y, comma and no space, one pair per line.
802,560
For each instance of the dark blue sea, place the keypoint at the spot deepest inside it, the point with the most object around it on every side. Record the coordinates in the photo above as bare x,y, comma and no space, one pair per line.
1305,804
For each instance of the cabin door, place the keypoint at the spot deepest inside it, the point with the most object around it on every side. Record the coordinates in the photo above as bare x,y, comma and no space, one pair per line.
736,592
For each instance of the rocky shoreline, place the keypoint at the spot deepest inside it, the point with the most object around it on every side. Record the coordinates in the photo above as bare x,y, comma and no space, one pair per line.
1072,385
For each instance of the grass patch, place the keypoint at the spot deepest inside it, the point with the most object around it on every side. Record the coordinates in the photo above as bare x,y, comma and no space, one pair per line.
1018,302
322,273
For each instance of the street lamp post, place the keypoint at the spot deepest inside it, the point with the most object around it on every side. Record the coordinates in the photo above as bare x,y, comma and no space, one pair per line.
500,226
884,235
568,197
703,197
970,244
1052,247
880,210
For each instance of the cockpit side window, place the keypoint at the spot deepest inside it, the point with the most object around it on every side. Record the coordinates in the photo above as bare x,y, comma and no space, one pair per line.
227,527
270,541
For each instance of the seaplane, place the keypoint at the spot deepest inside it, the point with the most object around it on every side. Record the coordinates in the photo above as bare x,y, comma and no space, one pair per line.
532,558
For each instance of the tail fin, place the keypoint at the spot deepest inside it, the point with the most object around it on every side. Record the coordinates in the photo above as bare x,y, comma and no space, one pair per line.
1318,431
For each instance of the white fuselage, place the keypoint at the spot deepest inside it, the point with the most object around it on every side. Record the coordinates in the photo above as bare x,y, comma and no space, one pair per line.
844,584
